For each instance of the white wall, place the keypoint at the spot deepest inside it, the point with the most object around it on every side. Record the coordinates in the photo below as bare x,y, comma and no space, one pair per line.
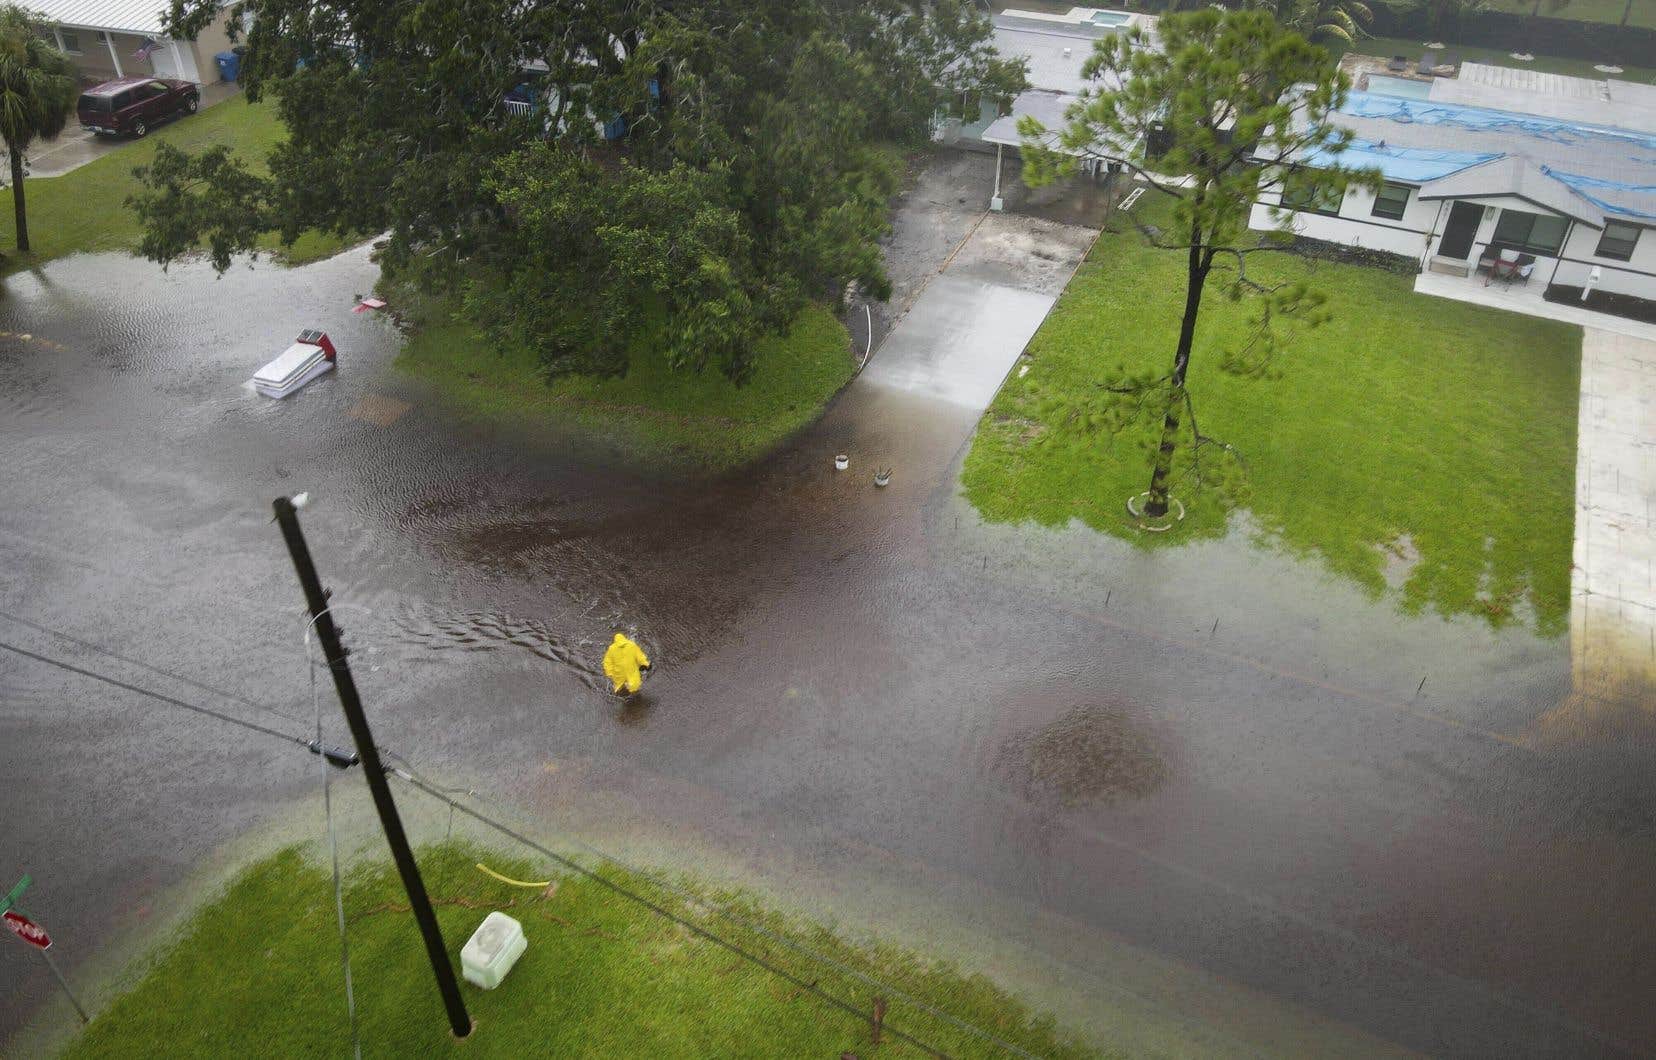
1356,224
1618,276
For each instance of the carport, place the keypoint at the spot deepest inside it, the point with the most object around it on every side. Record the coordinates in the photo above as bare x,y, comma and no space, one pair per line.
118,38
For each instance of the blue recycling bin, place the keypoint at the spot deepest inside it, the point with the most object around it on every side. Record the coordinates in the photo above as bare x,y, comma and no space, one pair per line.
229,64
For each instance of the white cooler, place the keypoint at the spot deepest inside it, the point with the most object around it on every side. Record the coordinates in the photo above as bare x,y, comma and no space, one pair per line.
492,950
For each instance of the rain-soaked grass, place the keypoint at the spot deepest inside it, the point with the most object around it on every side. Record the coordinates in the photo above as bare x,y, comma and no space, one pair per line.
1414,439
652,413
85,209
258,974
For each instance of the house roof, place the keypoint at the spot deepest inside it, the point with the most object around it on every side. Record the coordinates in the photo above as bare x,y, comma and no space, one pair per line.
1048,108
1056,51
1516,176
121,16
1576,99
1568,163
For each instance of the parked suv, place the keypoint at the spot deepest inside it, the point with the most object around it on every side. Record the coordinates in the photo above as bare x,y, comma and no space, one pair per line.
135,105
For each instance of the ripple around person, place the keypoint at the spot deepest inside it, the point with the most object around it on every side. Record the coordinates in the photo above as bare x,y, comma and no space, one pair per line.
1448,425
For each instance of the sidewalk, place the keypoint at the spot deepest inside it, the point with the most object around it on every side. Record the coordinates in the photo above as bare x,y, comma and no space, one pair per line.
1613,583
75,147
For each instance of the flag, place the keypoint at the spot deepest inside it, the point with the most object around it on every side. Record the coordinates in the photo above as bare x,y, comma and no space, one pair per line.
147,49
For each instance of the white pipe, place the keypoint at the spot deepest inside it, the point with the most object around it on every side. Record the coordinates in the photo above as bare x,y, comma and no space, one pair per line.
998,149
109,40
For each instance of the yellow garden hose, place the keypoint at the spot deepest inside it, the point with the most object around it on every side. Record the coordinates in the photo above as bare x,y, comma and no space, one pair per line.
485,870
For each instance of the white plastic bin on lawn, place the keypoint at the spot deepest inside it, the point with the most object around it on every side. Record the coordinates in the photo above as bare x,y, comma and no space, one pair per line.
492,950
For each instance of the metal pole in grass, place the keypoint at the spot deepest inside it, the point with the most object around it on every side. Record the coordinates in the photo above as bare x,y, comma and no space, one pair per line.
333,652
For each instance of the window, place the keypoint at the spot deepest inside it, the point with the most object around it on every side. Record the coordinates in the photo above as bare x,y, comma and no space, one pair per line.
1302,190
1536,233
1618,241
101,37
1391,201
71,41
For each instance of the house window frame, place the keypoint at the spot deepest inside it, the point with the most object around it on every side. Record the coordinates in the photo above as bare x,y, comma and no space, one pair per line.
1525,245
64,36
1632,244
1402,207
101,37
1310,204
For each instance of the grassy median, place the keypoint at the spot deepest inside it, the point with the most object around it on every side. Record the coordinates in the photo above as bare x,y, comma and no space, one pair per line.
258,974
653,413
85,211
1428,440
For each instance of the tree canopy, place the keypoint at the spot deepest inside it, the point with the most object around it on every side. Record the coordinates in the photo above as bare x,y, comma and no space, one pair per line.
690,170
1192,112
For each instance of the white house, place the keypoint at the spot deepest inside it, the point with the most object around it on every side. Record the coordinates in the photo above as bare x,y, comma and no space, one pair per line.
1056,47
1522,177
121,38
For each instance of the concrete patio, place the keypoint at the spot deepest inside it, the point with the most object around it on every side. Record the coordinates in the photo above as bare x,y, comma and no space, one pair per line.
1526,299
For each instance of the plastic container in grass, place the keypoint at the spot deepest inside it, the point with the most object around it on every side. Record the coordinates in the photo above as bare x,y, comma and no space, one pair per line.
492,950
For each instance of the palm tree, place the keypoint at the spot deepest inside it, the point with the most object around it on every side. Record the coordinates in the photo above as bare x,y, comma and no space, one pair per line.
37,96
1324,21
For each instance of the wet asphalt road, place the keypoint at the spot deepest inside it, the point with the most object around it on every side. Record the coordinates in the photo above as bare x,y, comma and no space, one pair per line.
1258,835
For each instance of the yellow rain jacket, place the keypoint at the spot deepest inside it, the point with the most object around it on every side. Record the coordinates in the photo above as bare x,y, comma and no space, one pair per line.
623,662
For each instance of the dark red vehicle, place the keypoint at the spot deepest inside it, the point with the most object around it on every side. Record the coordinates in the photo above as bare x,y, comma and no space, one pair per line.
135,105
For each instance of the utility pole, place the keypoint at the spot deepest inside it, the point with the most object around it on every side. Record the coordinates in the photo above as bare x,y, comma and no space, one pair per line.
316,598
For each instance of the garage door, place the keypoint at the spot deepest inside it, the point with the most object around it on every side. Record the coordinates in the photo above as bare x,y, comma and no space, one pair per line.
172,60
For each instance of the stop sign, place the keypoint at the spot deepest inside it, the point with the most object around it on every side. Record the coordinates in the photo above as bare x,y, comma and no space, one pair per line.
26,929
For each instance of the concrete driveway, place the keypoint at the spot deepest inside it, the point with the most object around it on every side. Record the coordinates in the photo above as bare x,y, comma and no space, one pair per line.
969,324
75,147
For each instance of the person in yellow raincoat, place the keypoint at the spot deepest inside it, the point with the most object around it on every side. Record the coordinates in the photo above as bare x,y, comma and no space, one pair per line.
624,664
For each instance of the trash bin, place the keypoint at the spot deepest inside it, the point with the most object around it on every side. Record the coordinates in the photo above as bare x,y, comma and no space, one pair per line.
229,64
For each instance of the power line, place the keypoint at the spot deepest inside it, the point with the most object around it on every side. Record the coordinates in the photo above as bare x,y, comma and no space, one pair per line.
743,922
660,910
159,697
160,671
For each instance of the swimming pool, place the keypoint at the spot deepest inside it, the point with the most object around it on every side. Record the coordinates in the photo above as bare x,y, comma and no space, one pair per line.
1400,87
1111,18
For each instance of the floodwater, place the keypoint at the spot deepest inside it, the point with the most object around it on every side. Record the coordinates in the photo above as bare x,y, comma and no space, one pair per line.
1198,792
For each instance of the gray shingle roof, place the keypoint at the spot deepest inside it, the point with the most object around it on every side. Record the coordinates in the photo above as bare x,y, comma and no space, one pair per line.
1518,176
1627,163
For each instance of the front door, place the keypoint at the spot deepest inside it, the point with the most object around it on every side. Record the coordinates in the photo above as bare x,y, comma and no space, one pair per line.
1461,230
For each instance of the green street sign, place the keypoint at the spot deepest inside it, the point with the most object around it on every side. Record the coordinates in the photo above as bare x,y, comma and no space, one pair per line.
14,894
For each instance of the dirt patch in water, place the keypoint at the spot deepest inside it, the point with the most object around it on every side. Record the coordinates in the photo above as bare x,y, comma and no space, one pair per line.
1093,754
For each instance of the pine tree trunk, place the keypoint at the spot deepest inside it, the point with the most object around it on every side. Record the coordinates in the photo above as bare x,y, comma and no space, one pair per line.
1627,13
18,210
1195,278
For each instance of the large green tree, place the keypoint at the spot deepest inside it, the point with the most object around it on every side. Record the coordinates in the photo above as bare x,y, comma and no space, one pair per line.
744,181
37,97
1189,111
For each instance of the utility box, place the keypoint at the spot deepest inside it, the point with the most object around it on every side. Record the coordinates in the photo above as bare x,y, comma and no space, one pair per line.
492,950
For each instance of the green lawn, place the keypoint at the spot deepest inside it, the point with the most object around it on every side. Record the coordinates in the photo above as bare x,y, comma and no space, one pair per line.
1389,46
1406,425
85,209
258,975
1643,13
651,413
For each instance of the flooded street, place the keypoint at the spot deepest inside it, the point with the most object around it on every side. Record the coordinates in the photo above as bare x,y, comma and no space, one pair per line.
1197,797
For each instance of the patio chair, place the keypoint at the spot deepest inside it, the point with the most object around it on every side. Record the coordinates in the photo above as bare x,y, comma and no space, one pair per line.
1505,267
1526,266
1427,62
1398,63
